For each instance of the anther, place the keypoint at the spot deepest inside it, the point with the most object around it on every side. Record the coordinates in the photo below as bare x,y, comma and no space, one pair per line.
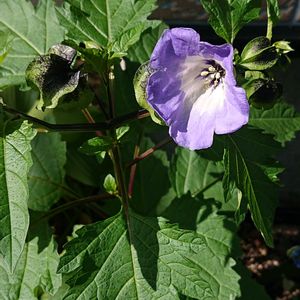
218,75
211,69
204,73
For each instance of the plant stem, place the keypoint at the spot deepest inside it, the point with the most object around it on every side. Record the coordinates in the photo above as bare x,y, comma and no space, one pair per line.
91,120
110,92
133,167
149,151
72,204
270,23
81,127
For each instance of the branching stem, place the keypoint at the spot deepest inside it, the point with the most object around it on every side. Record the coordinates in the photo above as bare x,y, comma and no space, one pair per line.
81,127
149,152
72,204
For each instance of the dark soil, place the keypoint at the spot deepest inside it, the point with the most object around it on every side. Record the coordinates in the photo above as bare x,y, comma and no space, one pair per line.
272,267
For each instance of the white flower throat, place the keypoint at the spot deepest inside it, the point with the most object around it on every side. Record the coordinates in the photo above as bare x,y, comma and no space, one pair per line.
213,74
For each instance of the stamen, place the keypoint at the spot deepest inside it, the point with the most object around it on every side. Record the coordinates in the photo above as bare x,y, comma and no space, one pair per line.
218,75
204,73
211,69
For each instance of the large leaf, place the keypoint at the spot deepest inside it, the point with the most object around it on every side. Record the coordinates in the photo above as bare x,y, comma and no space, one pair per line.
34,32
15,161
281,120
35,272
248,160
141,51
145,258
227,17
46,176
190,172
149,188
115,23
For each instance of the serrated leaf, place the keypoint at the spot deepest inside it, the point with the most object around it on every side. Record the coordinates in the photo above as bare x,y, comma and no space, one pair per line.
46,176
227,17
247,156
115,23
145,258
34,31
35,271
281,120
15,161
273,10
141,51
190,172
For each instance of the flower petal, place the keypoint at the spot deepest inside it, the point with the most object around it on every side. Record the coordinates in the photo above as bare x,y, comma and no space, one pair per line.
195,128
234,112
193,88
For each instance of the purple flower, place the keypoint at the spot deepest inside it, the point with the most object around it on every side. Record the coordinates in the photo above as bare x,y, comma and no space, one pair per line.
193,88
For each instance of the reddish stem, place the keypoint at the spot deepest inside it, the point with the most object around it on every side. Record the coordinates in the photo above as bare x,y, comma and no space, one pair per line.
91,120
133,167
149,151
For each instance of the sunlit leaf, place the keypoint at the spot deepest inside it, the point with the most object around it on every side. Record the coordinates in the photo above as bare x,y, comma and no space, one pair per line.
35,272
15,161
150,258
116,24
33,31
282,121
46,176
227,17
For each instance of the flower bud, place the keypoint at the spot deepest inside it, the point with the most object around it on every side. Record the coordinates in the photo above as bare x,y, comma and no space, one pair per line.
259,54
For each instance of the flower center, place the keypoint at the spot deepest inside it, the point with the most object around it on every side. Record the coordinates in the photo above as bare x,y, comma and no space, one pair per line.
213,74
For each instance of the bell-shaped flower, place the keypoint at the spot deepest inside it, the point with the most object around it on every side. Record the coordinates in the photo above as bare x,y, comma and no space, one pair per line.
193,88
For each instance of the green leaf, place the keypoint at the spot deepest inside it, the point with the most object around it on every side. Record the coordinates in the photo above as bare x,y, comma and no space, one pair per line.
34,32
82,168
227,17
96,145
52,75
127,39
121,131
35,272
248,156
5,41
282,121
110,184
145,258
273,10
142,50
15,161
46,176
115,24
190,172
151,180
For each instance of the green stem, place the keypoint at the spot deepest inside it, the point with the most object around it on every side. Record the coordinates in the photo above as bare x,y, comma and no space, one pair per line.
270,23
